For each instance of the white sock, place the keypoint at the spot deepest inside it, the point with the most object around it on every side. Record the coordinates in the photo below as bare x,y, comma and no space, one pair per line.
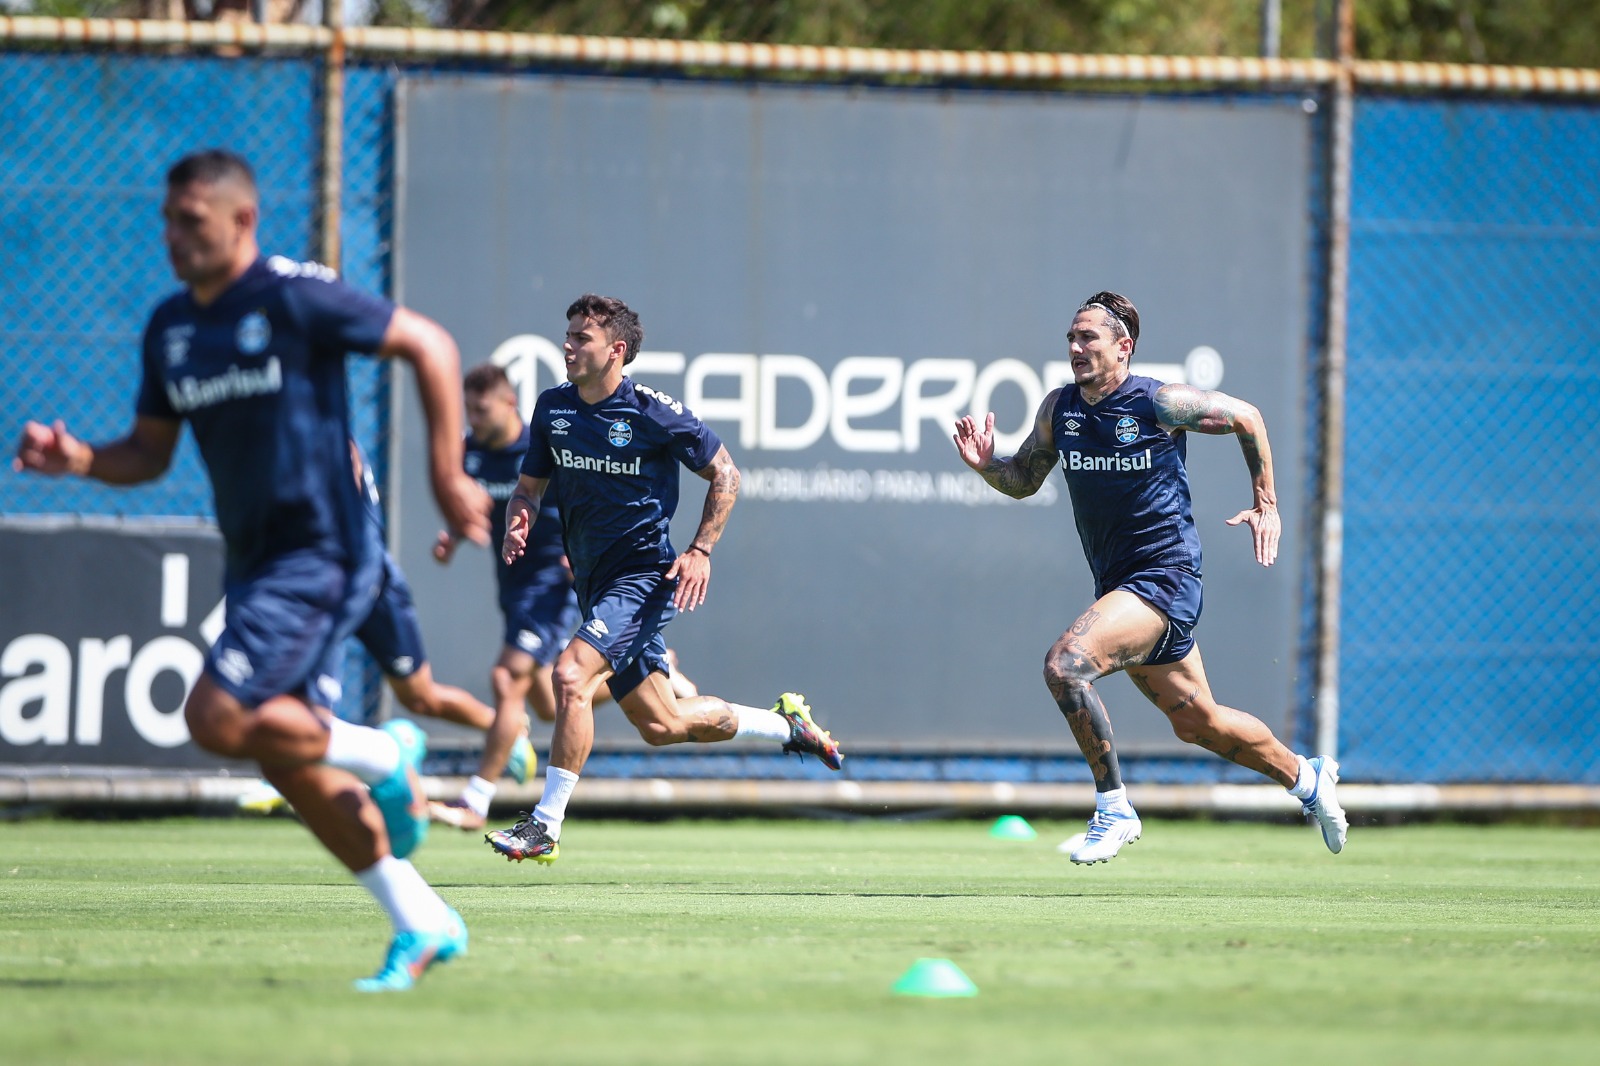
411,904
759,722
477,795
370,754
552,808
1114,801
1305,781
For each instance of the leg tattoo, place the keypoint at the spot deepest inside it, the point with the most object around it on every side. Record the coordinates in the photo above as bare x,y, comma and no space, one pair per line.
1071,677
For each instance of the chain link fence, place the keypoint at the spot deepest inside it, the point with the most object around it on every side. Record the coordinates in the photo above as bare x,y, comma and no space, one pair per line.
1468,648
1472,479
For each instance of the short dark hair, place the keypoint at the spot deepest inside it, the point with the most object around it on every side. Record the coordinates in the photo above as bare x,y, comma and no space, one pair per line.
615,317
210,166
484,379
1124,316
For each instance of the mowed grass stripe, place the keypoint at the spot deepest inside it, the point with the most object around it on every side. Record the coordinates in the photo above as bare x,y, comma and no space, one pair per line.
177,941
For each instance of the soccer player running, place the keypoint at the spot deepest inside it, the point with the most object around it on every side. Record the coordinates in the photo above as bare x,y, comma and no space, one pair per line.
1121,439
392,635
251,354
617,446
537,604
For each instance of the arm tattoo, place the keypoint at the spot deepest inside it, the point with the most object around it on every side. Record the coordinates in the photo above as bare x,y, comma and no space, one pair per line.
720,497
1186,407
1021,475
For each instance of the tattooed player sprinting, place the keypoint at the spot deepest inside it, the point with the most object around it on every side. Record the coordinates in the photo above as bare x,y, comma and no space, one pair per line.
618,446
1121,442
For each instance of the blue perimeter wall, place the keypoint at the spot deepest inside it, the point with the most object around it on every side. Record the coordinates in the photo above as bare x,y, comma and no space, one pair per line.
1469,649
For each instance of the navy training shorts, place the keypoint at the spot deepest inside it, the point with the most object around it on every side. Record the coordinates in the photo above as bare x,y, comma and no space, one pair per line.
540,617
1177,594
625,622
285,627
391,633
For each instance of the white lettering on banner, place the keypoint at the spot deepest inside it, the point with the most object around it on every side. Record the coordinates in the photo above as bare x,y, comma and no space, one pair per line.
50,688
865,404
97,661
164,729
36,703
830,485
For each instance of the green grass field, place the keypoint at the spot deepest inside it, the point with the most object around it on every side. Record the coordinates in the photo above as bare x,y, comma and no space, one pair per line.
235,941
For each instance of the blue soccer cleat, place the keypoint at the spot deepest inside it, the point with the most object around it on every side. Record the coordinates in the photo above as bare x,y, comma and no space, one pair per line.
411,953
399,796
523,761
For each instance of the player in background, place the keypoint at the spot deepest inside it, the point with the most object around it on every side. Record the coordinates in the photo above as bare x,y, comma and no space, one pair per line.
617,446
251,353
392,635
536,597
1121,440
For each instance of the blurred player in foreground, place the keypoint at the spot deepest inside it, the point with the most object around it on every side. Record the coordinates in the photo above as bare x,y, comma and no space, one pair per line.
392,635
1121,441
252,355
537,601
617,446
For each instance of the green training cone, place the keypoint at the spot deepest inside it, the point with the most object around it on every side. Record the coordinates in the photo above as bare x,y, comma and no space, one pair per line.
934,977
1012,827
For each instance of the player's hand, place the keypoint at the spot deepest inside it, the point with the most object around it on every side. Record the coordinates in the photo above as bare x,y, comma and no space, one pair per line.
51,450
692,571
444,547
1266,527
465,506
516,539
975,445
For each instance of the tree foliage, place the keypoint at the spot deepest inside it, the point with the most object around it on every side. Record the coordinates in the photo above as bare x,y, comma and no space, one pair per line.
1530,32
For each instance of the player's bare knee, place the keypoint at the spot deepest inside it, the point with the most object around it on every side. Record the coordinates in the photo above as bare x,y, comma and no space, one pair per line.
1068,674
1192,720
215,728
660,734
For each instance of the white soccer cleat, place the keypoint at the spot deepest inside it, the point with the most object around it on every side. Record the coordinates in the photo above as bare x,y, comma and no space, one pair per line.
1107,833
1072,843
1323,806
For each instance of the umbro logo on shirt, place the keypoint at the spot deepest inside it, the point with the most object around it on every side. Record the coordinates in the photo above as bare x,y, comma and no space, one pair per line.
597,627
560,425
234,665
1071,426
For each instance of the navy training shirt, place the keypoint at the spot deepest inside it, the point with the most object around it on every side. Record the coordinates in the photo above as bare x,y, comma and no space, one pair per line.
497,470
618,469
259,376
1130,490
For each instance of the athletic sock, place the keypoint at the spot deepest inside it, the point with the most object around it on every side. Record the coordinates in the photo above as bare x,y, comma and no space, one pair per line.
477,795
1305,781
1113,801
552,808
370,754
759,722
411,904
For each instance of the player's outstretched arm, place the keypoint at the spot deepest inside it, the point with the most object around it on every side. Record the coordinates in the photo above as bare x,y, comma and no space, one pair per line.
1186,407
692,569
143,455
521,510
436,363
1021,475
